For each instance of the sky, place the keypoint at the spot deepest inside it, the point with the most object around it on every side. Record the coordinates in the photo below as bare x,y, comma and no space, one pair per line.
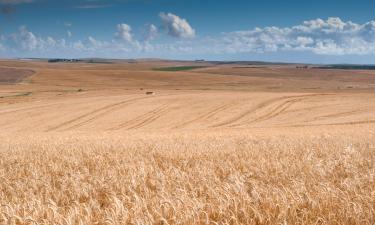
319,31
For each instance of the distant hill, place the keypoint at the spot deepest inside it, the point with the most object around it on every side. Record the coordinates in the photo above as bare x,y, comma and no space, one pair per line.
347,67
202,61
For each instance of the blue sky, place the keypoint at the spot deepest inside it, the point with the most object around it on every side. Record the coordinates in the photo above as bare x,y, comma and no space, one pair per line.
290,31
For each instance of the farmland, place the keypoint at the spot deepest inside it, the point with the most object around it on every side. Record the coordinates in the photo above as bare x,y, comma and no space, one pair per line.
82,143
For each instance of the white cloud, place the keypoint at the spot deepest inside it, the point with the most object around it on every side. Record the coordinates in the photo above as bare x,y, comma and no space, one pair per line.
176,26
79,46
26,41
304,41
332,37
320,37
90,45
95,43
151,32
124,32
51,42
69,33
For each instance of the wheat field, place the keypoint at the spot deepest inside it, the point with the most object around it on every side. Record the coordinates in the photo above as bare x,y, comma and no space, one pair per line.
187,179
83,144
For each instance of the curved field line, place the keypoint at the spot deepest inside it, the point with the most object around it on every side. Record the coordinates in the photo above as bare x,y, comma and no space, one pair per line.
135,120
144,119
277,110
149,120
99,115
335,115
207,115
93,114
27,109
233,121
372,121
340,114
244,114
310,108
283,107
352,123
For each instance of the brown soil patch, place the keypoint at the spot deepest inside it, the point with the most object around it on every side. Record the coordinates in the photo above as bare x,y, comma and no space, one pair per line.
12,76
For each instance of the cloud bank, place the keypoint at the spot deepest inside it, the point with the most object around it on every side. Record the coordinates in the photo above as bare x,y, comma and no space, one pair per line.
331,37
326,37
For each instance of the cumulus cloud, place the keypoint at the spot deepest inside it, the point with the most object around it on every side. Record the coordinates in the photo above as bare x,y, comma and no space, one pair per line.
332,36
123,42
95,43
90,44
151,32
124,32
176,26
79,46
69,33
26,41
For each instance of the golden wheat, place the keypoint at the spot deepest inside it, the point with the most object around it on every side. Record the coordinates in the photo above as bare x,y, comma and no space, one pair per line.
187,179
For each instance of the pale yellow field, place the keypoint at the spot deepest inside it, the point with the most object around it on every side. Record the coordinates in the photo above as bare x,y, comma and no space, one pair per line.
83,144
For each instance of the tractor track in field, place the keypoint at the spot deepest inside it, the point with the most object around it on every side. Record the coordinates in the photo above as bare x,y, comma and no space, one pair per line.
360,122
339,114
279,109
207,115
310,108
95,114
144,119
27,109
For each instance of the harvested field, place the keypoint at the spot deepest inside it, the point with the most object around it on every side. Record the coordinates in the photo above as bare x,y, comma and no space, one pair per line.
11,75
217,145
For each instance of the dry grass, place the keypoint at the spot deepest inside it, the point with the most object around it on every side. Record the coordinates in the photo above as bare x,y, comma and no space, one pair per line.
187,179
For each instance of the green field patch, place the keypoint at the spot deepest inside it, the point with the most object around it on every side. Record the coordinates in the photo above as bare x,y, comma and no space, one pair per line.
17,95
178,68
347,67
